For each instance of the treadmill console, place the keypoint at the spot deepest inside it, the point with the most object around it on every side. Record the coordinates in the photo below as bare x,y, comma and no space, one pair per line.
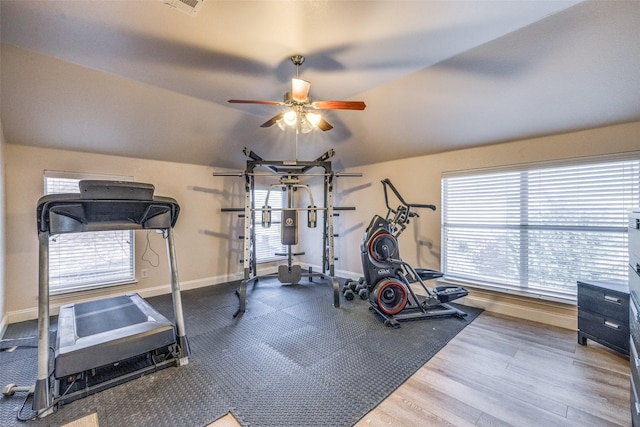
115,190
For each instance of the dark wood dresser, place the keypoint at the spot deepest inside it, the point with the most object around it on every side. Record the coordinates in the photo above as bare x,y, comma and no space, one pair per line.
603,313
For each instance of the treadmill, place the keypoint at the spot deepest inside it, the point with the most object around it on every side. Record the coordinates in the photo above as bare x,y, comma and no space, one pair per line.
104,342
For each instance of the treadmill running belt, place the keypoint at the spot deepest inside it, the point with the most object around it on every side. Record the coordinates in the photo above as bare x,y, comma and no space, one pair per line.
95,317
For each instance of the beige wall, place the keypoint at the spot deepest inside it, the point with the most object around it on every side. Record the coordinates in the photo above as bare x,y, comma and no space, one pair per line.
205,252
418,180
3,290
208,249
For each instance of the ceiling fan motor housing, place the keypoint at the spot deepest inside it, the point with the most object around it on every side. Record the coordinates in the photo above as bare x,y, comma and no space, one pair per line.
297,60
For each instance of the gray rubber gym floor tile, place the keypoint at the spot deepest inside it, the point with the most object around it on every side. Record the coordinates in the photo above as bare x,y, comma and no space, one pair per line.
291,359
299,399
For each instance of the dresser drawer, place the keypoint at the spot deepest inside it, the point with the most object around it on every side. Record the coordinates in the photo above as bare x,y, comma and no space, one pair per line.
634,314
634,241
634,221
607,298
634,285
634,258
634,324
606,331
634,361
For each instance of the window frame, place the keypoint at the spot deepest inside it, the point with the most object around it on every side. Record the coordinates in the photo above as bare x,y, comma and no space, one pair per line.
125,276
524,228
269,233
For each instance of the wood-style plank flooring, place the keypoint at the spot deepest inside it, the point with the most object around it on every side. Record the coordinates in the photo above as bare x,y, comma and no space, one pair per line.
501,371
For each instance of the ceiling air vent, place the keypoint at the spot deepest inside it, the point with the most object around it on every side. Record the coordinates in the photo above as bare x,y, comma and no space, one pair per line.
190,7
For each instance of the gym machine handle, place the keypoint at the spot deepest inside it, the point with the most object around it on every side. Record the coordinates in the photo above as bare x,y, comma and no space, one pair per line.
386,182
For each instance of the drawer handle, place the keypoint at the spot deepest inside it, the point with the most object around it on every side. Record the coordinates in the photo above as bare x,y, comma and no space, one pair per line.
612,299
611,325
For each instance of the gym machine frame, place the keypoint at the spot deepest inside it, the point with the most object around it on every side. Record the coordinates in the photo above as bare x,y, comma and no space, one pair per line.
102,206
289,173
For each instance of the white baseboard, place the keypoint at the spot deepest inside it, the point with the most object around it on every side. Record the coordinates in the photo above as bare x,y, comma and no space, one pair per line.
563,316
3,325
348,274
22,315
32,313
338,273
190,284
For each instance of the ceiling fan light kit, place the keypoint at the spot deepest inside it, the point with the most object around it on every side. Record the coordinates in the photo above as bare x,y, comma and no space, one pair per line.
300,112
313,118
290,118
307,121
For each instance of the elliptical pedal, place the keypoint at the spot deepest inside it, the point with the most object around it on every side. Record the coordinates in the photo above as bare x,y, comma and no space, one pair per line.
449,293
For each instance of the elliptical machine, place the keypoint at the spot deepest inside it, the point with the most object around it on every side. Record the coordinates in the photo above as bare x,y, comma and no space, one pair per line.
388,279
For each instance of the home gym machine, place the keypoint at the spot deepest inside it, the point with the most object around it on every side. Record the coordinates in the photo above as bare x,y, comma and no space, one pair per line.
389,280
97,340
289,175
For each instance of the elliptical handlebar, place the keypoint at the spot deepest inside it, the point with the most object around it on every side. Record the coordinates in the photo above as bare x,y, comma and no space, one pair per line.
386,182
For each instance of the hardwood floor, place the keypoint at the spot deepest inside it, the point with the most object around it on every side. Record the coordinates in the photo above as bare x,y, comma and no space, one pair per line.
226,421
501,371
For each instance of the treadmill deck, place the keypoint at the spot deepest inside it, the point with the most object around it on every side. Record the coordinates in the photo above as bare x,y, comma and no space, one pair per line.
98,333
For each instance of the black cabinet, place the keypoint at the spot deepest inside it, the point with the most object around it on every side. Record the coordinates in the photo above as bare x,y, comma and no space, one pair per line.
603,313
634,313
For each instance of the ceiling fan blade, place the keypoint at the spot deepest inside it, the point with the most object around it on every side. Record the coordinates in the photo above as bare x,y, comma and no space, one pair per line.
272,120
339,105
300,90
324,125
251,101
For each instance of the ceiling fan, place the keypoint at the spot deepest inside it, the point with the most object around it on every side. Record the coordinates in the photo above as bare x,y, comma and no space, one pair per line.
300,109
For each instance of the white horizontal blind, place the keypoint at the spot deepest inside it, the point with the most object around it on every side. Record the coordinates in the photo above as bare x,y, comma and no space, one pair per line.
268,239
87,260
539,230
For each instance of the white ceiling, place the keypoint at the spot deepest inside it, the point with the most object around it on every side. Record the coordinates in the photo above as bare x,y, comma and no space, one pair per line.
142,79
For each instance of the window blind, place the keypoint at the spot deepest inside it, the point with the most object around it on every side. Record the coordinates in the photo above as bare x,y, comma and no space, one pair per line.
539,229
268,239
87,260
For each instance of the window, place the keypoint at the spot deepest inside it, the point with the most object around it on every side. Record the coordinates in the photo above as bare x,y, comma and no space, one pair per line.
537,230
268,239
87,260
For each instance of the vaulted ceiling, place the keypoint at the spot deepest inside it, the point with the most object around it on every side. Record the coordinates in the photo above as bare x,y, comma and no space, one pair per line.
143,79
